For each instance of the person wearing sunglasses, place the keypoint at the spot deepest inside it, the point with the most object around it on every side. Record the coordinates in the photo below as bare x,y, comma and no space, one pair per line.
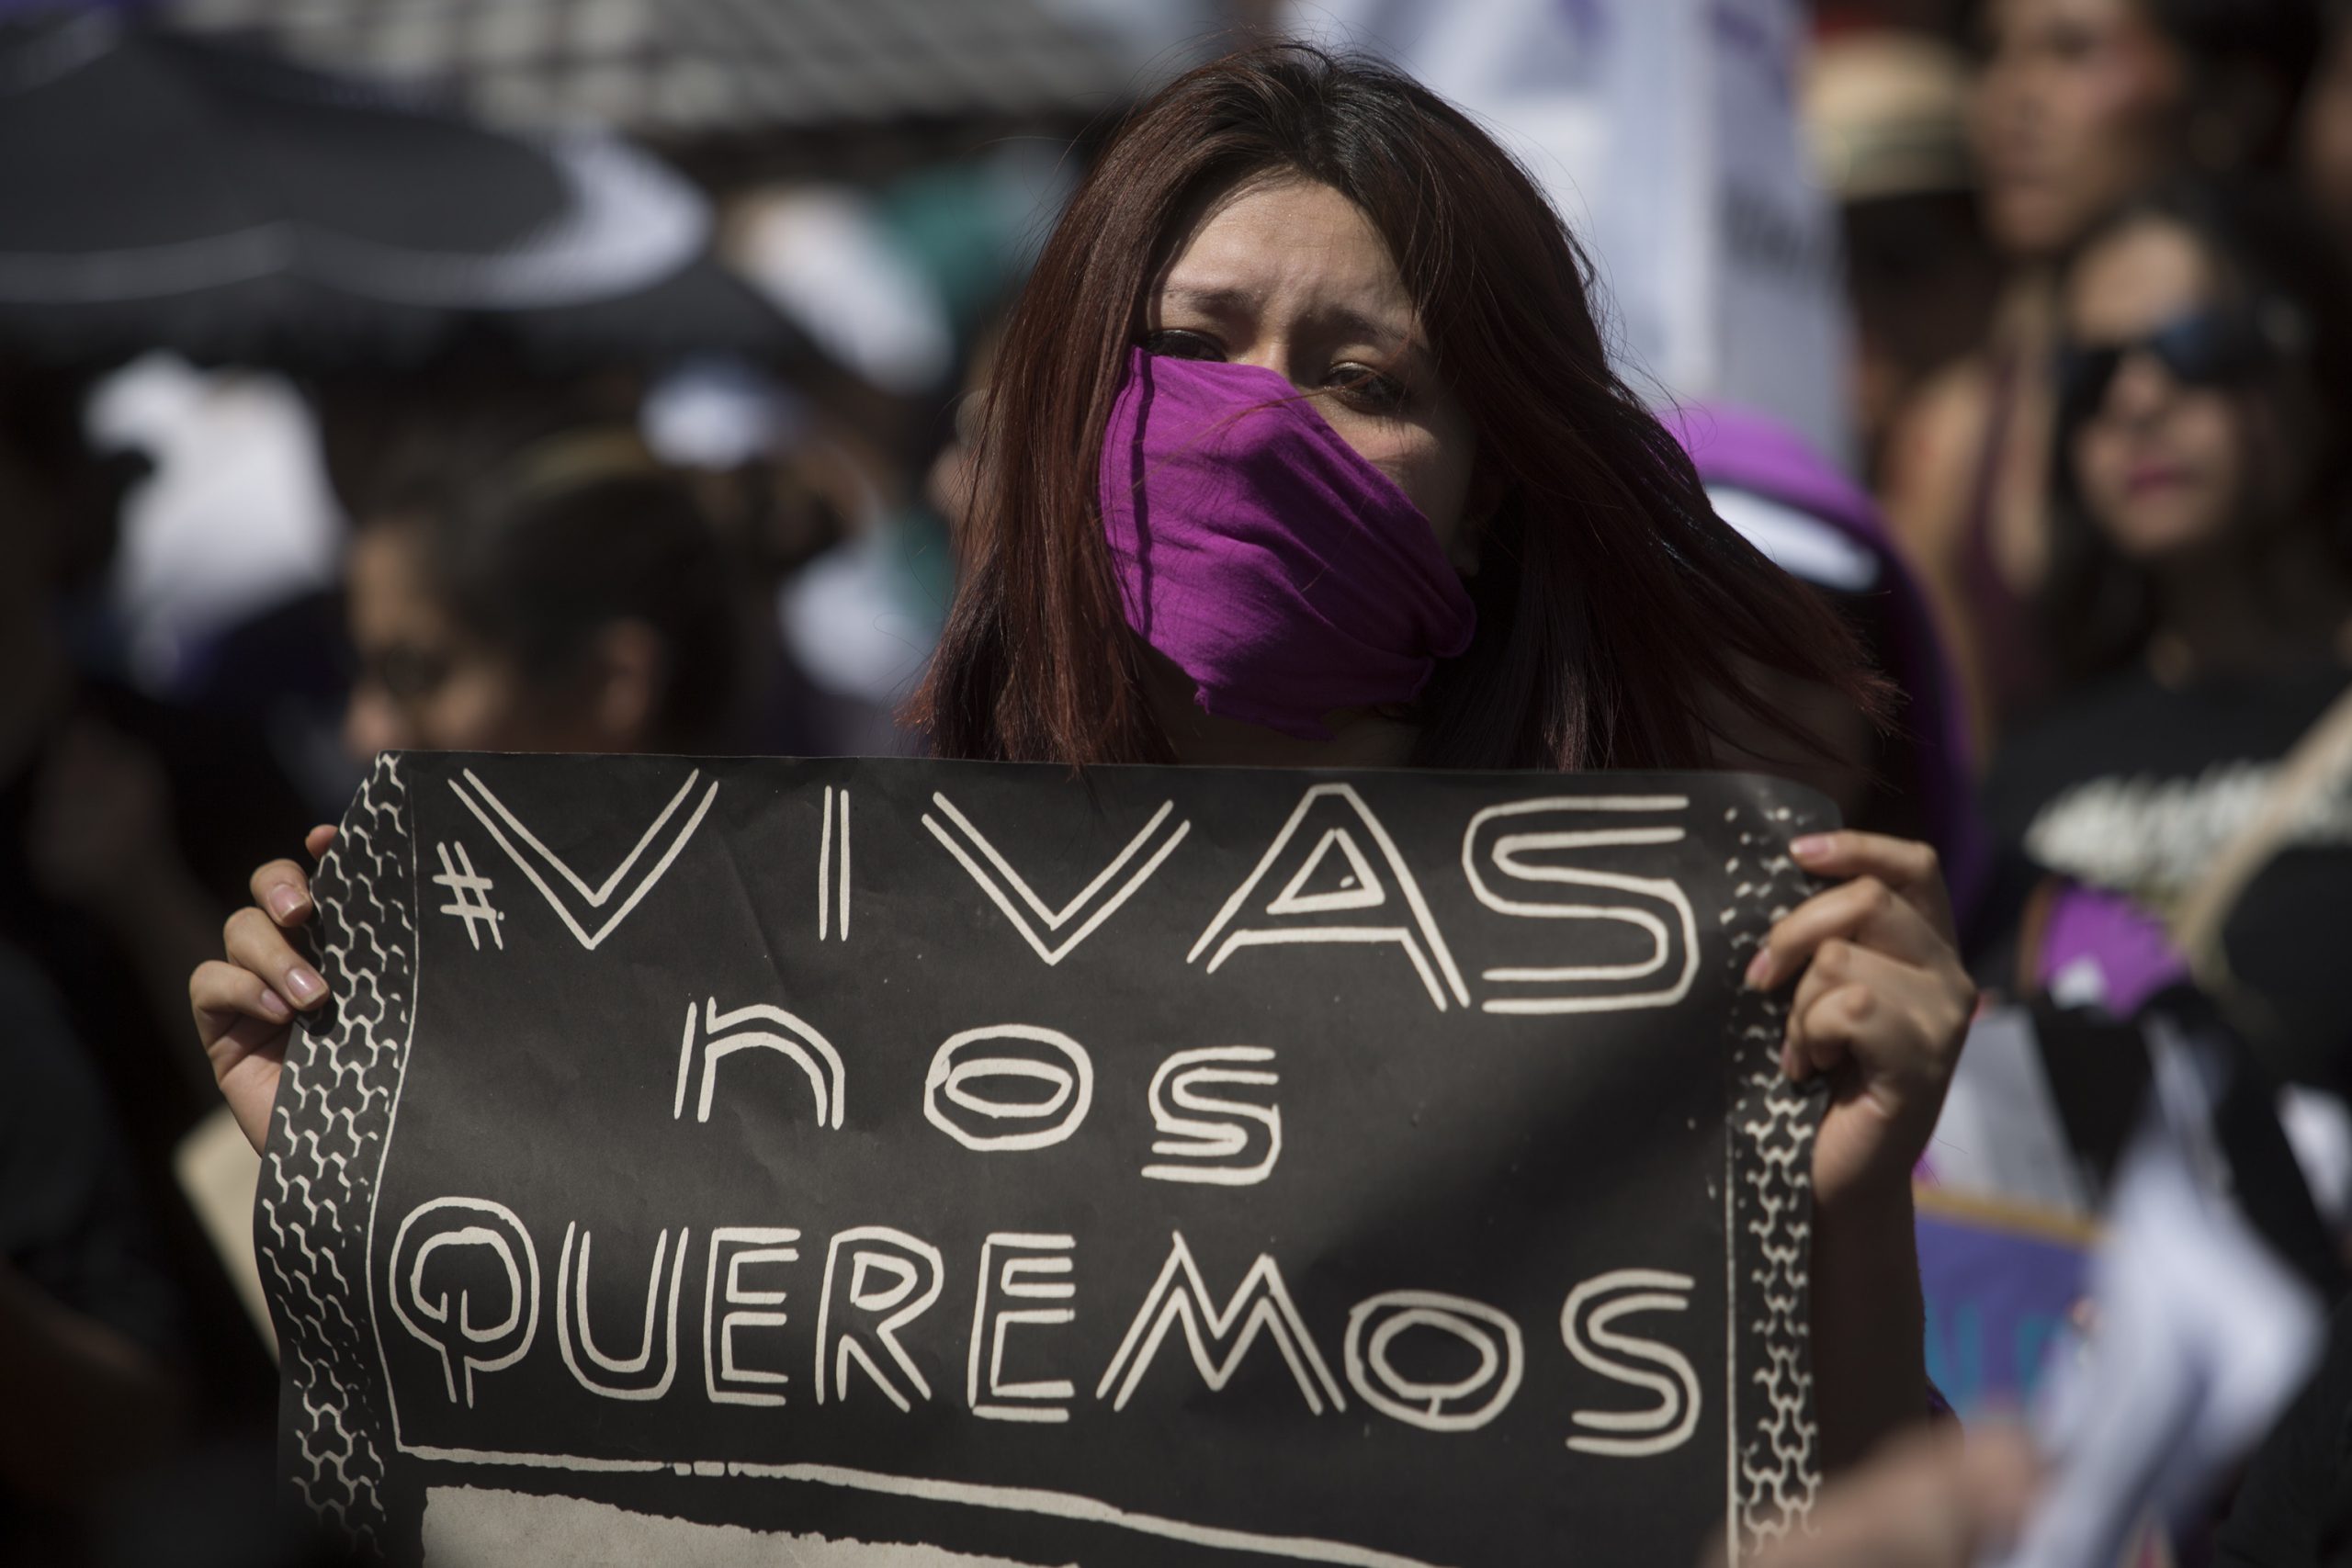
2075,107
2200,348
2200,592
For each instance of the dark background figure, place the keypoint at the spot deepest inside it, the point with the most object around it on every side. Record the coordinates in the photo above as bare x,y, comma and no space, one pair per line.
92,1335
1885,115
2200,593
127,827
537,583
2077,106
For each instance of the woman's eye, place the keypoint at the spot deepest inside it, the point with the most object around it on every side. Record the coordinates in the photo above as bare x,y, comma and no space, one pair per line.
2073,45
1175,343
1367,388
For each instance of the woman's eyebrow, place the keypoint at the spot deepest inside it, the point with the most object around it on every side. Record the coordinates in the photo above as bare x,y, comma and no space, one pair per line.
1231,303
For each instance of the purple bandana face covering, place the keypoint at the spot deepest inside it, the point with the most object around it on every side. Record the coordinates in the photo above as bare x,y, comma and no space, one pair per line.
1263,555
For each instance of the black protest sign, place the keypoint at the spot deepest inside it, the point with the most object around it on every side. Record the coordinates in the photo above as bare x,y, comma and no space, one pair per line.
1155,1165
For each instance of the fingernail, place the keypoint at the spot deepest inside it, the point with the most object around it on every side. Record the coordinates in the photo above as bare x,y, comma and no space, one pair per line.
275,1004
1811,846
285,903
1791,1067
305,986
1759,969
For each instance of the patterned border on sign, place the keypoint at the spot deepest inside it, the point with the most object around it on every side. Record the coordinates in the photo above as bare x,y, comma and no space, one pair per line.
1776,1446
325,1152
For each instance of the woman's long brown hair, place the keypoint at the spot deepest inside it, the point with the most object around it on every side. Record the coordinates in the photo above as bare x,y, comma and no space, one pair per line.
1612,603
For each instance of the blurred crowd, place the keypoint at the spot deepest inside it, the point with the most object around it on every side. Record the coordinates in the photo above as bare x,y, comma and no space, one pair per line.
2093,515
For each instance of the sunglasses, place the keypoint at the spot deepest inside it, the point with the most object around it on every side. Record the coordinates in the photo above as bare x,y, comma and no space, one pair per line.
2204,349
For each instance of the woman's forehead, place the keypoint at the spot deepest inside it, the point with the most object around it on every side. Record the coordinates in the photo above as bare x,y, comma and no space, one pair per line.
2136,279
388,578
2021,18
1294,246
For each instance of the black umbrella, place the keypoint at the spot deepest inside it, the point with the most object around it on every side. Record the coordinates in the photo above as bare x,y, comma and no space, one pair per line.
163,191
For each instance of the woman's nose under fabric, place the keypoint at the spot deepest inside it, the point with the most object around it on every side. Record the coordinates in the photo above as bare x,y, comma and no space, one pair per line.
1283,573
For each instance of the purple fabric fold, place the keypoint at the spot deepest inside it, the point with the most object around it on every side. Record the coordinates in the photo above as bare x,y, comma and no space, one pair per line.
2100,949
1263,555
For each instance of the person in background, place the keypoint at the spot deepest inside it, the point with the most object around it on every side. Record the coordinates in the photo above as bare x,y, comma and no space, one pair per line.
2199,592
518,584
402,453
123,822
522,583
2078,106
2069,973
1885,112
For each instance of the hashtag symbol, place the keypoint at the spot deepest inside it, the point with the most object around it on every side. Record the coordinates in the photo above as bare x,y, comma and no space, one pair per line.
470,893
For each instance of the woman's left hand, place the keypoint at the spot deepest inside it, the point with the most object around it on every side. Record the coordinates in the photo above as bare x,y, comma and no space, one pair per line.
1882,1004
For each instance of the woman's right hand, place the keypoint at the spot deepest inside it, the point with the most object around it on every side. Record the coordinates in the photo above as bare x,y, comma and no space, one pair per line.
246,1005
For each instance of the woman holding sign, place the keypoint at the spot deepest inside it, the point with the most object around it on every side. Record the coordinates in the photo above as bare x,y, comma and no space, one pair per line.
1303,449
